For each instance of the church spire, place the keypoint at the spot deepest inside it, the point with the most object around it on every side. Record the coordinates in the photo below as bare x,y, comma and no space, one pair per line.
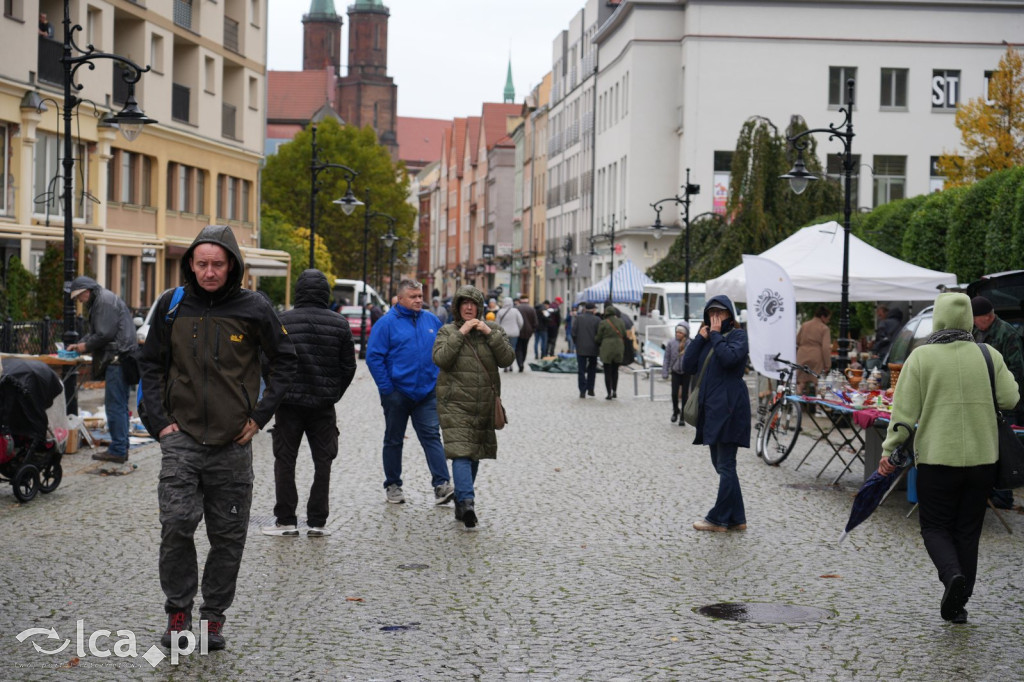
510,89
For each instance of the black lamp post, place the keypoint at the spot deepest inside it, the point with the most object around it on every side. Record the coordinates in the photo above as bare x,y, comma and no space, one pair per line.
368,215
348,202
130,120
610,236
688,191
390,242
799,177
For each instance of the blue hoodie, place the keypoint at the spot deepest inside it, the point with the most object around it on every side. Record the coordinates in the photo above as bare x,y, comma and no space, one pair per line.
399,353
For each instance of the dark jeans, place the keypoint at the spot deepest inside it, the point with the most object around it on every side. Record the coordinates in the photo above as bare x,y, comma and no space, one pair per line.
398,410
680,390
611,378
586,372
321,429
522,348
198,480
953,503
728,509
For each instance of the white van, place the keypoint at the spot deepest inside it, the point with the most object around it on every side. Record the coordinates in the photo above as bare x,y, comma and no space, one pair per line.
352,291
662,307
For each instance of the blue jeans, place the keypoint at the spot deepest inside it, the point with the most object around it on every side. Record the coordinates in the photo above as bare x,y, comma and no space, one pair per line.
464,476
728,509
398,409
586,372
540,339
115,402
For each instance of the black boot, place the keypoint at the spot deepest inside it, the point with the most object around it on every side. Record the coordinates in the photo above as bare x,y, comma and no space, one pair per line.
468,514
675,416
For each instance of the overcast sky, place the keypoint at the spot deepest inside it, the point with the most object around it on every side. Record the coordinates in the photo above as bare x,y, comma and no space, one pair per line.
446,57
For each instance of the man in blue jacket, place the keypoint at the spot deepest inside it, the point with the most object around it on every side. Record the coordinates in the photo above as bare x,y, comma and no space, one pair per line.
399,356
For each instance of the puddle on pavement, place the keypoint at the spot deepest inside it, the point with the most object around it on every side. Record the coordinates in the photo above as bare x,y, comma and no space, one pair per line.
400,628
764,613
413,567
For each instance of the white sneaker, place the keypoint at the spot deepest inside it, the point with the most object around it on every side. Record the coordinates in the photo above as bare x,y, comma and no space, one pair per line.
278,530
444,493
317,532
394,494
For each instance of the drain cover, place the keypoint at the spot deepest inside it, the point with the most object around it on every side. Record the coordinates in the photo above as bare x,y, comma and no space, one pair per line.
765,613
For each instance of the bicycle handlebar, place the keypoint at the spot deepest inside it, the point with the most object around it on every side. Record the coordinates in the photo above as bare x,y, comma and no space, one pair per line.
793,365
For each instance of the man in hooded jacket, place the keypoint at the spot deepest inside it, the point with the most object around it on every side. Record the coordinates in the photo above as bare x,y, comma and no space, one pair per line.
111,340
327,363
200,371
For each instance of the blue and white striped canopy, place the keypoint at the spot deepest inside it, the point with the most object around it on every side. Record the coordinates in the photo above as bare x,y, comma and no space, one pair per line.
627,286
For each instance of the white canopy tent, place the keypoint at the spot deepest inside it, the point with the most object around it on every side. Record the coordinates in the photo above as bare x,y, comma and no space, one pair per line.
813,258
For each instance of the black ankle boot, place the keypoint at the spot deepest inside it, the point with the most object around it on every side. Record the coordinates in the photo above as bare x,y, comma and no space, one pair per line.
468,514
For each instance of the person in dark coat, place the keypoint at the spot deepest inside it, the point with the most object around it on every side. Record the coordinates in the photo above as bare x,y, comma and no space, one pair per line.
611,344
469,352
887,330
554,322
327,363
584,335
717,356
530,323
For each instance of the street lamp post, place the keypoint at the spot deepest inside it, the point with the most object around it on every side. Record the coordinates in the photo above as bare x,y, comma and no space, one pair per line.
348,202
130,120
799,177
688,191
368,215
610,236
390,242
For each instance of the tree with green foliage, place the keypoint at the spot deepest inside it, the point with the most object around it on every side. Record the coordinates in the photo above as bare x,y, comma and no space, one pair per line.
50,283
884,227
286,189
968,228
19,292
1000,254
279,234
927,220
991,126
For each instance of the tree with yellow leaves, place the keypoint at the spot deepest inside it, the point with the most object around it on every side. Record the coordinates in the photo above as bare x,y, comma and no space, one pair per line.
992,128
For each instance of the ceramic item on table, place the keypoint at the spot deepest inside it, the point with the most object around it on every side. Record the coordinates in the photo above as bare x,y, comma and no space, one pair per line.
854,376
894,373
857,399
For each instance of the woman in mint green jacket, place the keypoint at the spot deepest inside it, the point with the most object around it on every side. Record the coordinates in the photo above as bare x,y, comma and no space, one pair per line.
944,388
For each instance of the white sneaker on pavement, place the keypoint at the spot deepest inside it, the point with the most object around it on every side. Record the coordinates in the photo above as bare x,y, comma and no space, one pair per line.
394,494
280,531
444,493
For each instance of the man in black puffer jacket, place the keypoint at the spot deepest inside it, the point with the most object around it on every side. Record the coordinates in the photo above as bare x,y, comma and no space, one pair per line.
327,363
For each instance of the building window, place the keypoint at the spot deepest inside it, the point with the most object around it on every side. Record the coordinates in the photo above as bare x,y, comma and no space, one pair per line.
48,184
254,93
989,98
837,77
185,187
945,90
200,192
211,75
890,178
156,53
936,180
6,181
245,200
183,197
126,176
146,194
894,89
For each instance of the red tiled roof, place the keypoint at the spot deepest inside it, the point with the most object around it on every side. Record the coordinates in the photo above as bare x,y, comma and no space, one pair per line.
421,139
473,138
496,117
297,95
282,131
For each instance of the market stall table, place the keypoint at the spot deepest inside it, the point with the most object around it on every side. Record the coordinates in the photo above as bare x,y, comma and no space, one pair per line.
840,436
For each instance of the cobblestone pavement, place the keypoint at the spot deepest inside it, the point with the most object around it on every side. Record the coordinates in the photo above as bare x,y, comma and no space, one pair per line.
585,566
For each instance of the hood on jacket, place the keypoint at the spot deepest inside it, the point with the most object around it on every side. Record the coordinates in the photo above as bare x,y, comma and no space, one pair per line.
507,303
952,311
895,314
312,290
221,235
723,300
83,282
610,311
474,295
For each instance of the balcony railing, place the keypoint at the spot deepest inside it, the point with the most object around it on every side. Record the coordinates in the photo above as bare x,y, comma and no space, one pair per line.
227,128
180,102
183,13
50,68
231,35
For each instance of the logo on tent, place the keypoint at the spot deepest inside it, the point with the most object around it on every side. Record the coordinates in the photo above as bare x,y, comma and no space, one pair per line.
769,305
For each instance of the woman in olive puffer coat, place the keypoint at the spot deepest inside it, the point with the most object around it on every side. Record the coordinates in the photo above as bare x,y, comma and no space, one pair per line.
465,391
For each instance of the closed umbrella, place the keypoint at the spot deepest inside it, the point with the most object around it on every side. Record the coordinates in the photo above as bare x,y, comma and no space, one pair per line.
878,486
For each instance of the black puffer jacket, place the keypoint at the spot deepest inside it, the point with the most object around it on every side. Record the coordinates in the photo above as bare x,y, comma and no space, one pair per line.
323,342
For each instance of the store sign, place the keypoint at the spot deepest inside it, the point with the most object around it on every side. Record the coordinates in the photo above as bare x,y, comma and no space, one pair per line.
945,89
149,255
488,251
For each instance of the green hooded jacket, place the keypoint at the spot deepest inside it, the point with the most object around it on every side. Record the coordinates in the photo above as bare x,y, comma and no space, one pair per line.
611,336
465,397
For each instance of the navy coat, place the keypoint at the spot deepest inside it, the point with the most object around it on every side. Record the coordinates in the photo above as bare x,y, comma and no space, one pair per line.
724,402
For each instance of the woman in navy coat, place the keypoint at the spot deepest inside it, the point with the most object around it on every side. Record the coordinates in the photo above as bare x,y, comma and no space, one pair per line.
723,422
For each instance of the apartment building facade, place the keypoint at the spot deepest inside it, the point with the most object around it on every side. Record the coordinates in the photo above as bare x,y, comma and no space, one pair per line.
139,204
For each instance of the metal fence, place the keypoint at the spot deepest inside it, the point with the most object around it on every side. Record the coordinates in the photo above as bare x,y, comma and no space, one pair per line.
34,337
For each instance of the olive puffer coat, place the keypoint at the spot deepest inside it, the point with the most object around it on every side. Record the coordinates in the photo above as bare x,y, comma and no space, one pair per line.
465,399
611,336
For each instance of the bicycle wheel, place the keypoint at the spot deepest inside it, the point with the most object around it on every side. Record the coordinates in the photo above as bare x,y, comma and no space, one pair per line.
777,439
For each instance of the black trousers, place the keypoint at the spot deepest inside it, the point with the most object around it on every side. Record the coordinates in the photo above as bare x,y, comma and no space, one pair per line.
611,378
953,503
321,429
586,372
680,391
522,346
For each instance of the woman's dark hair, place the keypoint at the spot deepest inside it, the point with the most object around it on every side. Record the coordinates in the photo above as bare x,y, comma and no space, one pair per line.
822,311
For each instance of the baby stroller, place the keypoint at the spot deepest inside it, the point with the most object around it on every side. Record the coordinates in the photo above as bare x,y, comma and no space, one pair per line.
29,459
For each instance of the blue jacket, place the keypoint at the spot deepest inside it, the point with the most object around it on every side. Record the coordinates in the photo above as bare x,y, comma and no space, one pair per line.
399,353
724,403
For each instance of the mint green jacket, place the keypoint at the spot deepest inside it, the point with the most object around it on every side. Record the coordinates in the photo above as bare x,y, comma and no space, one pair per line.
944,389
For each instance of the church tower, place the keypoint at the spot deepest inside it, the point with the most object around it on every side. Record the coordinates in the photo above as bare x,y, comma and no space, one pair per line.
510,89
321,37
367,96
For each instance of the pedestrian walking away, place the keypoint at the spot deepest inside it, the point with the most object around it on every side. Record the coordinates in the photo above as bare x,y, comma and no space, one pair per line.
611,344
111,341
511,321
717,356
530,326
200,371
399,357
469,352
540,337
673,369
554,322
584,332
326,364
944,388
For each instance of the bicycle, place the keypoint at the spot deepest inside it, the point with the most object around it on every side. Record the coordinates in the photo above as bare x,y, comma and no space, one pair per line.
779,419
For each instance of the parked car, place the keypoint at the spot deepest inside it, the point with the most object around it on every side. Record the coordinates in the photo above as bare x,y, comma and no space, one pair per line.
354,315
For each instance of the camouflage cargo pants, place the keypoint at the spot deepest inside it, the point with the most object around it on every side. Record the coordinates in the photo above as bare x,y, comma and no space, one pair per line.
195,481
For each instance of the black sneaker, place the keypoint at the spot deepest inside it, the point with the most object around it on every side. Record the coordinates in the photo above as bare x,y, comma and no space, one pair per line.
675,417
960,617
468,514
177,622
214,639
954,598
458,511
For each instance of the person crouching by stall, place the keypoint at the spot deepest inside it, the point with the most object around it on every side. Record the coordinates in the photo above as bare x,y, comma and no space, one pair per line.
673,368
717,356
469,353
944,388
